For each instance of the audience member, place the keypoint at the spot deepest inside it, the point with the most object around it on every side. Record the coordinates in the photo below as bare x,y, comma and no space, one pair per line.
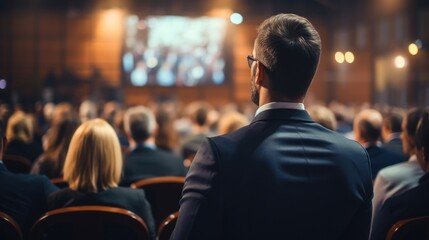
93,169
231,121
367,131
198,113
391,132
87,110
324,116
283,176
19,133
22,196
396,179
64,124
145,160
166,137
414,202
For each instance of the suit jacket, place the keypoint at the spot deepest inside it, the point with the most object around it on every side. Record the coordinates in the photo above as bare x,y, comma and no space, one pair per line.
127,198
282,177
395,145
23,196
381,158
144,162
410,204
394,180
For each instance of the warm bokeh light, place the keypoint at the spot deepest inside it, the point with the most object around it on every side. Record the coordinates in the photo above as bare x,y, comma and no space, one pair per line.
350,57
399,62
339,57
413,49
236,18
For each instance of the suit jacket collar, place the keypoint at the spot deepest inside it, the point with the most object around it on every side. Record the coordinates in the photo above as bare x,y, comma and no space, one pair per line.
283,114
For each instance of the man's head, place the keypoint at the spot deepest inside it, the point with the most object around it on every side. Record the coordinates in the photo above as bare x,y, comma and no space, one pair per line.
367,126
287,50
139,123
409,126
392,121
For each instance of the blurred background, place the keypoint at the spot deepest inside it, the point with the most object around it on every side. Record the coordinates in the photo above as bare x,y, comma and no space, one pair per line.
141,51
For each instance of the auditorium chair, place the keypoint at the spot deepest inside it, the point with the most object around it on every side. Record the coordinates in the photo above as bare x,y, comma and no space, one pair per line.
9,229
167,226
89,222
16,163
163,194
59,182
412,228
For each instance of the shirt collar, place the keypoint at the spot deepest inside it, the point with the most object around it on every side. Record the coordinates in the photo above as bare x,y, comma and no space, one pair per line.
277,105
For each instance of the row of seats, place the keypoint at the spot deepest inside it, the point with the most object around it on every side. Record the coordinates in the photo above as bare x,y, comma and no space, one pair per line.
87,222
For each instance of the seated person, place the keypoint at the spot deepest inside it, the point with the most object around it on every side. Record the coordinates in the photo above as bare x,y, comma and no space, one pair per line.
19,133
145,160
93,168
22,196
414,202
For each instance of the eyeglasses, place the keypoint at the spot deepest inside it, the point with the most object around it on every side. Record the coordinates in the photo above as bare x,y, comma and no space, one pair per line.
250,60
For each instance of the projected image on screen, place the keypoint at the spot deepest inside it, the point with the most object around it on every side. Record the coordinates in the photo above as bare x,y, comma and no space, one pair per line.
174,51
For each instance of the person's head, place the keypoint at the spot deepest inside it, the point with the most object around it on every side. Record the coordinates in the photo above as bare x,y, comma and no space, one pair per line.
392,121
87,110
409,126
367,126
231,121
285,58
94,159
422,142
167,137
139,123
324,116
58,139
19,127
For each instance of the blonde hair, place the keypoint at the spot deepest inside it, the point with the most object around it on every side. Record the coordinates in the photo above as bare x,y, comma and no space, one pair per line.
94,160
232,121
323,115
19,127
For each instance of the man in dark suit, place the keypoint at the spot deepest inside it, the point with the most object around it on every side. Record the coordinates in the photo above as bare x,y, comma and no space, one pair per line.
283,176
23,197
145,160
367,131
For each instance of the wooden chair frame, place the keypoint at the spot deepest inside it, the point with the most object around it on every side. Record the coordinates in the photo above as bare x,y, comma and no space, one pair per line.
400,229
86,222
167,226
9,228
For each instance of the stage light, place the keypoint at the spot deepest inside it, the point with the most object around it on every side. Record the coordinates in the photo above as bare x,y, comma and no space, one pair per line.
339,57
350,57
413,49
3,84
236,18
152,62
400,62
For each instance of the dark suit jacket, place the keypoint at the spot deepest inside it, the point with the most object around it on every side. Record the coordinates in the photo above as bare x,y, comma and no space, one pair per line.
31,151
282,177
395,145
23,197
410,204
381,158
144,162
127,198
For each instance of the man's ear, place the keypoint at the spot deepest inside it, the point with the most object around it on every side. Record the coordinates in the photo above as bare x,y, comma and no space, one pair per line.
261,76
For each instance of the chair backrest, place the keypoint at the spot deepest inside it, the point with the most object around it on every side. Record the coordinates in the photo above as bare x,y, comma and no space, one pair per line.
163,194
167,226
89,222
16,163
9,229
59,182
412,228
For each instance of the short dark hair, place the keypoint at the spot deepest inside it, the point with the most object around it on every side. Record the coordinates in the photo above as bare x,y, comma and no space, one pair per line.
369,131
289,47
392,120
413,118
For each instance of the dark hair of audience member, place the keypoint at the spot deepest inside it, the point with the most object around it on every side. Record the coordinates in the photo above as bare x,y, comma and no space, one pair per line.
422,136
290,57
167,137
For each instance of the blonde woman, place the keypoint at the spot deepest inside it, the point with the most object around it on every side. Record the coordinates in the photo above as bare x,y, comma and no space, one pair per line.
19,133
93,168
